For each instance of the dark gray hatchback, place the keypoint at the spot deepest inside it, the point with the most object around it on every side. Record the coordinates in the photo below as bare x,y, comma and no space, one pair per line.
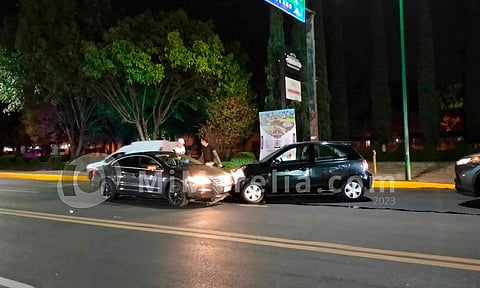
174,177
305,168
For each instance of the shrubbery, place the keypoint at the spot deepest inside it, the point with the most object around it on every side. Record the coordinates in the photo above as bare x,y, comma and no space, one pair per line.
239,159
16,162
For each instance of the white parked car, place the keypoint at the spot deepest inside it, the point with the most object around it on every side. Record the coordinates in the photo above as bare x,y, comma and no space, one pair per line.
134,147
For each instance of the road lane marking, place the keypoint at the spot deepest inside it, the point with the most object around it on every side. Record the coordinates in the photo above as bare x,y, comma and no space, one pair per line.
314,246
4,282
252,205
18,191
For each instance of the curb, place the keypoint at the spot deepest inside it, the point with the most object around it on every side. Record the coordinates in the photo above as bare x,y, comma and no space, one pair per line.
44,177
382,184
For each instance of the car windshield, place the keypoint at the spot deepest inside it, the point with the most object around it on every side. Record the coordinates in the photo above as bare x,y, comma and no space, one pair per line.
177,160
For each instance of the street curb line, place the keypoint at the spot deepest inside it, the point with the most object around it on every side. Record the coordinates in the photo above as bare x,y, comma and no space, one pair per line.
396,184
45,177
382,184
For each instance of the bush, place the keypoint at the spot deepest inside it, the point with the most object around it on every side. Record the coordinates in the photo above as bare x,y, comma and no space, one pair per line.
239,159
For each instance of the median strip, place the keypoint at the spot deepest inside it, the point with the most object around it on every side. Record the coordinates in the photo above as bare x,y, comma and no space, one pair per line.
303,245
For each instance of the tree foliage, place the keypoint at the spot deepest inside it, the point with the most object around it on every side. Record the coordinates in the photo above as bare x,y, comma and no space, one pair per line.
49,38
148,65
230,118
276,42
12,80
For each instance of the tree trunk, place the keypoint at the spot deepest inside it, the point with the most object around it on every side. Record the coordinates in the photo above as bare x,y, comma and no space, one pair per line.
275,46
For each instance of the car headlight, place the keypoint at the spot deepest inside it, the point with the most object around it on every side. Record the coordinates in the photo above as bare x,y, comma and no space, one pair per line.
464,161
199,180
238,173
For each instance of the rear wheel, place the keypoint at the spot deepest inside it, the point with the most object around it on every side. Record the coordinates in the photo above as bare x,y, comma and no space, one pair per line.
353,189
176,197
253,193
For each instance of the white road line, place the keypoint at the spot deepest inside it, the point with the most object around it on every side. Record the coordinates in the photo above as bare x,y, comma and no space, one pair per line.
4,282
253,205
18,191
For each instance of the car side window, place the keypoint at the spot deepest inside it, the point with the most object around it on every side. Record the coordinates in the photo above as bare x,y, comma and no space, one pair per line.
129,161
299,153
149,163
324,152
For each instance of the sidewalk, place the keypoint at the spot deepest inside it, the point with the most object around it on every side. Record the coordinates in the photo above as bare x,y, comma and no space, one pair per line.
434,175
438,175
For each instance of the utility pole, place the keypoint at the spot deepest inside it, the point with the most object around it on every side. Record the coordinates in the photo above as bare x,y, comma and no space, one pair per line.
312,76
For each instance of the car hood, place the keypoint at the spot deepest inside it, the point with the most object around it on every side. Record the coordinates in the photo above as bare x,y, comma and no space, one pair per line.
94,165
205,170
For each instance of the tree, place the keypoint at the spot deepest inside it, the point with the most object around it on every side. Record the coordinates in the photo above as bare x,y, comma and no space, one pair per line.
230,119
428,101
12,80
49,38
150,64
276,43
299,46
381,103
338,81
472,76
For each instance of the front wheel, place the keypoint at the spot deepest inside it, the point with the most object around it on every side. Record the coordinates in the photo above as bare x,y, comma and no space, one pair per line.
108,190
352,189
176,197
253,193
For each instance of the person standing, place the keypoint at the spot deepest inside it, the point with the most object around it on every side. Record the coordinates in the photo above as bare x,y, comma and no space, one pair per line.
180,148
209,154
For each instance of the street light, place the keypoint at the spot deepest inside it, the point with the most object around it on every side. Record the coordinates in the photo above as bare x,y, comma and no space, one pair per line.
408,174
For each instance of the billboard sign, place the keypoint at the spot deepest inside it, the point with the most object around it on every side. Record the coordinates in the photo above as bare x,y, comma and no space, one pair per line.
295,8
277,129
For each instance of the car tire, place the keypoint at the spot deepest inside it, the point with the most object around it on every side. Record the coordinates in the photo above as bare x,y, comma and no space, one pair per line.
353,188
108,190
253,193
176,197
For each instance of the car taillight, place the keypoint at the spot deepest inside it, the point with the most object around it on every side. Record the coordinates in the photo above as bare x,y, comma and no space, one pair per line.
94,172
365,165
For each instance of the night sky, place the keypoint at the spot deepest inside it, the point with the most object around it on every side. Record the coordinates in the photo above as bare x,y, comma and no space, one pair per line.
246,21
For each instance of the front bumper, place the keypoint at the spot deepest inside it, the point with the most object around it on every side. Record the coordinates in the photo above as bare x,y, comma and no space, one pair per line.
209,191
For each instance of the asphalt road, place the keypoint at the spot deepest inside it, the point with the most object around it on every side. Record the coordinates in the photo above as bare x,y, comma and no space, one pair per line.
403,238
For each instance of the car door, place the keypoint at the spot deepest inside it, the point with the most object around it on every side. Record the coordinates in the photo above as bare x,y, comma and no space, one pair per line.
126,170
289,172
149,175
329,169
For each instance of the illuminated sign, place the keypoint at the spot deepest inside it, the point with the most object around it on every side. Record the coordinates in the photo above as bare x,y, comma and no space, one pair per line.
296,8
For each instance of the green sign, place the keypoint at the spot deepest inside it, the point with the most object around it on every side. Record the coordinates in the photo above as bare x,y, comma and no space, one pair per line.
296,8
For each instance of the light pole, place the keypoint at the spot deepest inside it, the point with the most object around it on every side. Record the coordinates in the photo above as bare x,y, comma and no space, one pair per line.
408,174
